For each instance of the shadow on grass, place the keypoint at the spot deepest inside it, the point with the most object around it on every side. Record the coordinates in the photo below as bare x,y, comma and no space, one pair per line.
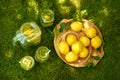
104,13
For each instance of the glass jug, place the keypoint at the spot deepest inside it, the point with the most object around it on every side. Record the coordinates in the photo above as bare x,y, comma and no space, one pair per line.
28,35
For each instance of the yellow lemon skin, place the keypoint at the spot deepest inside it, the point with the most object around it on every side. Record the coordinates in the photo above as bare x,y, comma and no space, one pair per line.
96,42
84,53
90,32
76,26
76,47
85,41
71,38
71,57
47,17
63,47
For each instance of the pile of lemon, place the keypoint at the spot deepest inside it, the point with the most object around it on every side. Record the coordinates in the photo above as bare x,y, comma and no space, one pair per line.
74,48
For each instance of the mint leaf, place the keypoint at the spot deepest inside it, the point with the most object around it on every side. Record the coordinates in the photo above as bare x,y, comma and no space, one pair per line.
96,57
57,31
67,27
90,64
99,49
62,26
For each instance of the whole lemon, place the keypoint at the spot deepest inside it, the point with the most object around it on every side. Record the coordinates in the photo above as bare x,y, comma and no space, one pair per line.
96,42
76,47
71,57
63,47
85,41
83,53
90,32
71,38
76,26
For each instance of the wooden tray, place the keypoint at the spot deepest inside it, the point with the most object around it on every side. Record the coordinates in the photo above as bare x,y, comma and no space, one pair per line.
94,55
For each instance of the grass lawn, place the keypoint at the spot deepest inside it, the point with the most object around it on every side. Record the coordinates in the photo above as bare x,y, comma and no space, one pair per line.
13,13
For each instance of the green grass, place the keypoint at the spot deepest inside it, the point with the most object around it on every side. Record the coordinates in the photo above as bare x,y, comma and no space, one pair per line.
13,13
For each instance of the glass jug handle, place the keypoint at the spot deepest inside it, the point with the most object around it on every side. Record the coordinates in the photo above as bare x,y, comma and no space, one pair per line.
19,38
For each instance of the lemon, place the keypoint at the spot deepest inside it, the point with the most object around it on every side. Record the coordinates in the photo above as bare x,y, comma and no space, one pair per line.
71,38
85,41
47,17
63,47
28,32
83,53
76,26
96,42
90,32
71,57
76,47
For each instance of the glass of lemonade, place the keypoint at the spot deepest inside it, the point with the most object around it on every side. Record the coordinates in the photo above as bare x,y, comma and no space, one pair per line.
27,62
42,54
47,17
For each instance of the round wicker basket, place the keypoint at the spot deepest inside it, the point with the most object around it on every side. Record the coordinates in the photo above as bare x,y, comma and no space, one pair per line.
61,36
